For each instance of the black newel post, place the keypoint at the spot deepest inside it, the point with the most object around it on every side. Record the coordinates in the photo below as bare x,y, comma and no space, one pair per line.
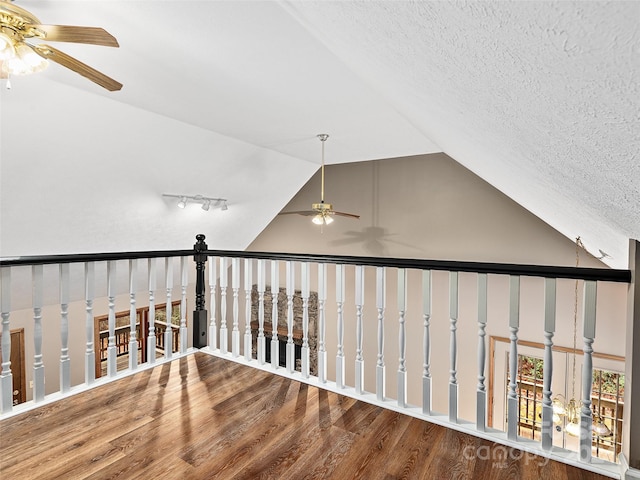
200,314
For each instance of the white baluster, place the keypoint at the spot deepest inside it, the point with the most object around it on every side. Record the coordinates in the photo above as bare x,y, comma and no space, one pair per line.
235,285
133,315
304,273
359,292
275,289
340,287
453,347
112,352
514,324
184,282
151,339
381,281
213,327
65,361
168,332
224,339
589,334
89,353
260,342
426,340
6,377
291,348
402,340
481,393
248,284
547,372
38,365
322,298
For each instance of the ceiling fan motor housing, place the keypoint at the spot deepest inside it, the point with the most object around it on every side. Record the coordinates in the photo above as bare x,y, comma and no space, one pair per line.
322,207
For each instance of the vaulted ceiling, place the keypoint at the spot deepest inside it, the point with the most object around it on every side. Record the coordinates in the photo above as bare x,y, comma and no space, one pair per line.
540,99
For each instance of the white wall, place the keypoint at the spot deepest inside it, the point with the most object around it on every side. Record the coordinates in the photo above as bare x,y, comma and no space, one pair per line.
431,207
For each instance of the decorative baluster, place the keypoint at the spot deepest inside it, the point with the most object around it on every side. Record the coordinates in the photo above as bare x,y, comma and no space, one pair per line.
381,286
453,347
340,286
213,327
291,348
322,298
224,339
6,377
65,361
514,324
589,334
89,353
426,339
168,332
38,365
547,367
402,340
275,289
304,273
133,316
151,339
200,320
248,284
481,393
112,351
260,342
235,285
359,292
184,283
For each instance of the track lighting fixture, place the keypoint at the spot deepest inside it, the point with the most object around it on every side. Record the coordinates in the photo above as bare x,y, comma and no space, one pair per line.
205,202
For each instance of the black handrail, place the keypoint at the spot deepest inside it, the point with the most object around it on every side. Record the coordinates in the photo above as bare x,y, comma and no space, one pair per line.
89,257
546,271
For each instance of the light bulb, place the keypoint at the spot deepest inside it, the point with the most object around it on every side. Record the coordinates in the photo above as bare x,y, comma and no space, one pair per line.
183,202
573,428
26,61
6,47
206,205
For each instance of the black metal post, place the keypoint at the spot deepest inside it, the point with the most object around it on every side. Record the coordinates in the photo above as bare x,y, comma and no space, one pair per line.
200,314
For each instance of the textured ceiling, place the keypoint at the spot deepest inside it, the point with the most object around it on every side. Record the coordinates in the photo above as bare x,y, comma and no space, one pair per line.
540,99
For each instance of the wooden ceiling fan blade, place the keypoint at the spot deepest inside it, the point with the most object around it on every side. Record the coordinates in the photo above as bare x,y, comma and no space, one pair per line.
77,66
74,34
306,213
342,214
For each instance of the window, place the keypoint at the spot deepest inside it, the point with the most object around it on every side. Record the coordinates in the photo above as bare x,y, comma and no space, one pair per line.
607,395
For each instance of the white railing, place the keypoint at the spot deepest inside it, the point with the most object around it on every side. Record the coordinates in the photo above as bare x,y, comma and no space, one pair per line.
434,310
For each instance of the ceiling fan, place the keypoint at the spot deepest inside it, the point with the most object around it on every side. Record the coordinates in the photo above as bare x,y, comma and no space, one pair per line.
18,56
322,212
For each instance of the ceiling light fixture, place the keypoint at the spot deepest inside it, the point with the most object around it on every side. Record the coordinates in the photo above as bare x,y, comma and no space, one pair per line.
205,202
571,408
21,52
322,212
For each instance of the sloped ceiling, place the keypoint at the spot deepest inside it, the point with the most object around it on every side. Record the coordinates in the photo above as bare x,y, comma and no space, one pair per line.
540,99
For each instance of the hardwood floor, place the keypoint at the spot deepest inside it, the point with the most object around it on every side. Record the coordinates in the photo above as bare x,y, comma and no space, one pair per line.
202,417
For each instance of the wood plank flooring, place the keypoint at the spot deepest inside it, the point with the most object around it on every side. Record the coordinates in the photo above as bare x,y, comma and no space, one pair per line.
202,417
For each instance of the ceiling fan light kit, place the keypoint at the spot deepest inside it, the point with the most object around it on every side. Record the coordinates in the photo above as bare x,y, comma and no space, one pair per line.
321,212
18,56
